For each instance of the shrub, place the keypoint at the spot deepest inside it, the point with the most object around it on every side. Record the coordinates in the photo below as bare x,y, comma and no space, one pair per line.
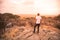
57,25
22,23
57,17
6,18
32,21
57,20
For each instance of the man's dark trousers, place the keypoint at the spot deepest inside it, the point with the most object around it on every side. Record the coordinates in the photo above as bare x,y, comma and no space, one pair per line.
36,25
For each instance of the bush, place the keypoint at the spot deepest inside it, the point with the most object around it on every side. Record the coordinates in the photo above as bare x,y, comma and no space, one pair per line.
2,24
6,18
57,25
57,20
32,21
22,23
57,17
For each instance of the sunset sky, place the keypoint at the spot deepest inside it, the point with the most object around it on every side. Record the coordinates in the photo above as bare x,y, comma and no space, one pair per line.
44,7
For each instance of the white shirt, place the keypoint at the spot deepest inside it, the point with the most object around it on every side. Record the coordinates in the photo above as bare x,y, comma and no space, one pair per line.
38,19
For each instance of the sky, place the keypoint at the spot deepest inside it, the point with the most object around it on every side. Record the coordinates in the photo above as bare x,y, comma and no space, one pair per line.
44,7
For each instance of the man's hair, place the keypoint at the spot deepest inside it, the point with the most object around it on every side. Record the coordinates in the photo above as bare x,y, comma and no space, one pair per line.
38,14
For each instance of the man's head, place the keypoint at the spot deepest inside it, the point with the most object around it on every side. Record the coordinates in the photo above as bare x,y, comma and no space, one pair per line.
38,14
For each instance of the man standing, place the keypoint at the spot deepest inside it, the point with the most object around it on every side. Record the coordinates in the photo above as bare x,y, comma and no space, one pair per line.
38,19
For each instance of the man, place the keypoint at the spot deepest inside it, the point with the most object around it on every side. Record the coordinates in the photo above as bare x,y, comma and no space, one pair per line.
38,19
